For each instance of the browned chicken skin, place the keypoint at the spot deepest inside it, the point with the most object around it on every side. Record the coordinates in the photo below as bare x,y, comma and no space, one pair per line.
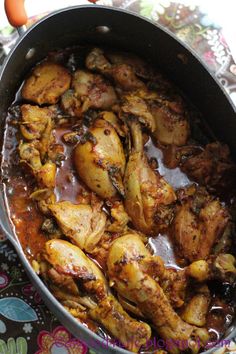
199,222
71,104
165,115
133,105
103,120
170,116
84,224
45,174
212,167
100,161
70,261
147,195
34,121
93,91
46,84
122,73
132,281
141,68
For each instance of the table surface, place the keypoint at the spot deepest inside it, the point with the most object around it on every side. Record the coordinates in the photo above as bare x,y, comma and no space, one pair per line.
26,325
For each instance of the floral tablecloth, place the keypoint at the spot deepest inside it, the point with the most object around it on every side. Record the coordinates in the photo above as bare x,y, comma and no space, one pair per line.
26,325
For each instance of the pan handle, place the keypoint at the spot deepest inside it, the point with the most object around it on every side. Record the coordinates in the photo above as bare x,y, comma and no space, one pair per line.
15,11
16,14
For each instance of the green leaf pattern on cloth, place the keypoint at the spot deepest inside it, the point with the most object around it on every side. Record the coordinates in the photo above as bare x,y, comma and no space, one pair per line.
147,7
12,346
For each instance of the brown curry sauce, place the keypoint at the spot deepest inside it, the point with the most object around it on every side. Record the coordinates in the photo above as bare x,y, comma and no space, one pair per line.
27,219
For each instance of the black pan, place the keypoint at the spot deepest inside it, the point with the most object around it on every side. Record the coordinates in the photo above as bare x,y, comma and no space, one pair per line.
126,31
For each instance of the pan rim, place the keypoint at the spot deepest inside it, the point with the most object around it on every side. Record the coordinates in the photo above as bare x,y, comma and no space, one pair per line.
42,288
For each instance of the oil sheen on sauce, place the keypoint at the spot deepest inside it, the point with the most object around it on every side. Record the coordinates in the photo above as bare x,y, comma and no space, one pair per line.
27,219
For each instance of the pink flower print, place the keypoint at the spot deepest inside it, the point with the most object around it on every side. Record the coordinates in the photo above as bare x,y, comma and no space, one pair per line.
222,40
209,57
29,290
4,281
59,341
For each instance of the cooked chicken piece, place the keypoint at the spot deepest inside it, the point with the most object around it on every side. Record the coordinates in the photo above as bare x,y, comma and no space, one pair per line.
70,261
170,115
125,269
102,60
100,253
111,118
66,291
223,263
212,167
199,270
129,306
34,121
66,264
97,61
159,83
133,105
61,293
123,74
174,284
47,139
79,312
199,222
131,333
55,152
124,77
172,128
148,196
119,216
84,224
225,243
37,124
46,84
141,68
93,91
166,117
221,267
71,137
44,173
63,281
52,230
172,281
29,154
44,198
196,309
174,156
42,194
100,160
114,98
71,104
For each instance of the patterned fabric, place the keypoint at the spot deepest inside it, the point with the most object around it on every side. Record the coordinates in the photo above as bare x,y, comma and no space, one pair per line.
26,325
